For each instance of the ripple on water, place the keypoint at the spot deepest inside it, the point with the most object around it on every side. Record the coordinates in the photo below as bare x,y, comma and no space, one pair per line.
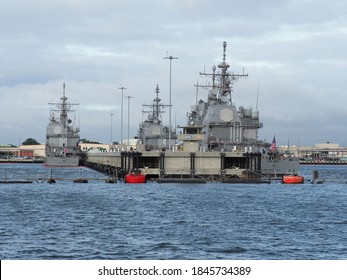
168,221
230,250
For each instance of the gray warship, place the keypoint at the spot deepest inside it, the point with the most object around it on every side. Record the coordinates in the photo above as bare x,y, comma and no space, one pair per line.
152,134
217,125
62,136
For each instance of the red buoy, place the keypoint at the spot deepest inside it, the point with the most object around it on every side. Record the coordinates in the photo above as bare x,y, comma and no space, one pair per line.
135,178
292,179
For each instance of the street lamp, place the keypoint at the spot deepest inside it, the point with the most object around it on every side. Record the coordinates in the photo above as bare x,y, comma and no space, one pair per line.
121,117
171,58
129,117
111,128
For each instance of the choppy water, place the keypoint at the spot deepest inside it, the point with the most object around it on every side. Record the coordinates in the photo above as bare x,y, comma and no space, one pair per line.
173,221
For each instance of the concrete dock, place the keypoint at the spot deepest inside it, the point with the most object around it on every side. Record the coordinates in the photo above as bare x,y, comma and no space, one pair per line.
180,166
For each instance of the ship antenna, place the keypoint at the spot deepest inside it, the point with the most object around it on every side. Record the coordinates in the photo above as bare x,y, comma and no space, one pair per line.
156,106
63,114
224,50
197,92
213,76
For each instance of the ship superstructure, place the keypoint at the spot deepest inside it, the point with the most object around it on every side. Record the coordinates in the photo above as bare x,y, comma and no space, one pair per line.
152,133
224,126
217,125
62,135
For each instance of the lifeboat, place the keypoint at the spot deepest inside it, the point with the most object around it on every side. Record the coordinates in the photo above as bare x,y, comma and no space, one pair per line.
135,178
292,179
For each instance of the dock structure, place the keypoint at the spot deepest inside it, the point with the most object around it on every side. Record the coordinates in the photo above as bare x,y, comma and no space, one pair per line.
21,160
164,166
54,180
323,162
17,175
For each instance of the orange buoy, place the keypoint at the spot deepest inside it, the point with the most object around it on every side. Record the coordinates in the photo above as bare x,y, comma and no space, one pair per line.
135,178
292,179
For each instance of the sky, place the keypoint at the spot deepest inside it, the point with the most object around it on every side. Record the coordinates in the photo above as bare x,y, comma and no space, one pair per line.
294,52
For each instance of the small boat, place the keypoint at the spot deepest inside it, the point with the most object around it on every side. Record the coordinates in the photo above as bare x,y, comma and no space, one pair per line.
135,177
292,179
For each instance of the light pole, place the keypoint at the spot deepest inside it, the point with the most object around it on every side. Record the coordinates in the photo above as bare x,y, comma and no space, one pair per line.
111,128
171,58
121,117
128,117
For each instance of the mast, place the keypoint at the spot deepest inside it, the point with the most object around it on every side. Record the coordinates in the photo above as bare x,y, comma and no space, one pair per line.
224,86
155,109
63,114
63,108
223,81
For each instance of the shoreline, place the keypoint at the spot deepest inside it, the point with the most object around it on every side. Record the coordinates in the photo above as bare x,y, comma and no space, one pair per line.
14,160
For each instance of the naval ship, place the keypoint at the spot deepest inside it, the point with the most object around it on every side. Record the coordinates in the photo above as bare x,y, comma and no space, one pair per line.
219,125
62,136
152,134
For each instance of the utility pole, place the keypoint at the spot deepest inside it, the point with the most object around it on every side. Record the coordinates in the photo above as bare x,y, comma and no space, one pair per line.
170,128
129,118
121,117
111,128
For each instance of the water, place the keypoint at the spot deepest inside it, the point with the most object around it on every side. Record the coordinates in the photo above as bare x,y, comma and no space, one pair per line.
172,221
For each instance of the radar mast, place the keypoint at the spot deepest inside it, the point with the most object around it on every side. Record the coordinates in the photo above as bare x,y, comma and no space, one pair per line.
222,82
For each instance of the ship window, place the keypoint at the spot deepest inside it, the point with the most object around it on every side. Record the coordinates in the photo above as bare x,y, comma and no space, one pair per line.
191,131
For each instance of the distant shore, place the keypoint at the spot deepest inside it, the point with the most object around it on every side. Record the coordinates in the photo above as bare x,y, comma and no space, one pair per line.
323,162
21,160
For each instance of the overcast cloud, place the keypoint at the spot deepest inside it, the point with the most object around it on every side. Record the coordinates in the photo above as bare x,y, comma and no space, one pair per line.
295,50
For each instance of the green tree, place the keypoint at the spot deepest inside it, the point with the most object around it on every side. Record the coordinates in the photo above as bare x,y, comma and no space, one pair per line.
30,141
84,140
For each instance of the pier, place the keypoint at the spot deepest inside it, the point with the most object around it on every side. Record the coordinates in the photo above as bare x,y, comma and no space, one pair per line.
51,176
21,160
54,180
163,166
322,162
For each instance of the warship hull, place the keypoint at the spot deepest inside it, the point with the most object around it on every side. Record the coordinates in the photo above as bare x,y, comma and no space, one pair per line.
279,168
62,161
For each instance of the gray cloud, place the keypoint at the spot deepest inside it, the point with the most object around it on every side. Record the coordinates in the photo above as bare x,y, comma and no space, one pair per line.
294,50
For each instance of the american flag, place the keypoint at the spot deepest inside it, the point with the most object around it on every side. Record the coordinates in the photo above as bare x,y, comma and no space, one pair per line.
273,145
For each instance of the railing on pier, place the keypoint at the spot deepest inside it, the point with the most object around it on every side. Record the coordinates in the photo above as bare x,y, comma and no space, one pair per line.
324,161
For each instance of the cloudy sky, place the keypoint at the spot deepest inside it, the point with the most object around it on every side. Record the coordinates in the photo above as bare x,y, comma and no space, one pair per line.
295,50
